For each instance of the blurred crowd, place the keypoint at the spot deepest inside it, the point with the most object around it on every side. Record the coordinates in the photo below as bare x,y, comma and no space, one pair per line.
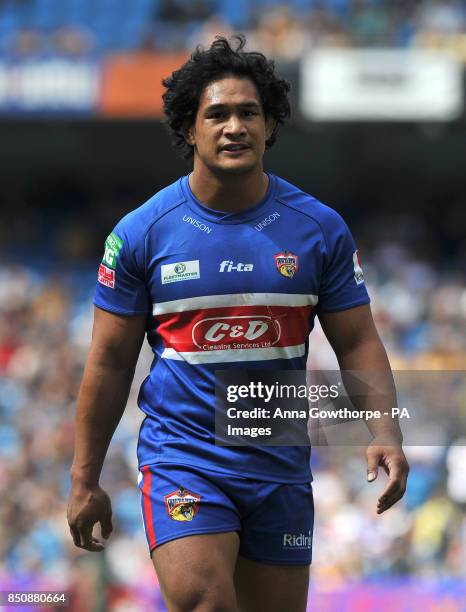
45,327
418,299
284,30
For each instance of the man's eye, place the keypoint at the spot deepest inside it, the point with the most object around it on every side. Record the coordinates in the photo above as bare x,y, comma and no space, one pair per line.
218,115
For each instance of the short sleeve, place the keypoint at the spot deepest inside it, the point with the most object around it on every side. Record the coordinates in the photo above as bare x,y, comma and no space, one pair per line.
342,282
121,286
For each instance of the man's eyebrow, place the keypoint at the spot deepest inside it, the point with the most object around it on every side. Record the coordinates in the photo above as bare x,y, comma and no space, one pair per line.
221,106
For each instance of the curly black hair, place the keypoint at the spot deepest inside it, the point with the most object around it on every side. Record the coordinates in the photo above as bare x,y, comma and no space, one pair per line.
185,86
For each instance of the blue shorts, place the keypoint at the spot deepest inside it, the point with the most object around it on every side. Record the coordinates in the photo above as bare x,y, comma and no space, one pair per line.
274,521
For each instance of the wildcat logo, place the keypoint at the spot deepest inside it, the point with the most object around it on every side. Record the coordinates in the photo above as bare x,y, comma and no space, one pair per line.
182,505
287,263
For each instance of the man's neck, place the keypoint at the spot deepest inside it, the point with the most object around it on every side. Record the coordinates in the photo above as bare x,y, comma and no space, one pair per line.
229,192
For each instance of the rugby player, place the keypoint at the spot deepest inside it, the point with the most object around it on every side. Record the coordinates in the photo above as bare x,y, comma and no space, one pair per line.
210,268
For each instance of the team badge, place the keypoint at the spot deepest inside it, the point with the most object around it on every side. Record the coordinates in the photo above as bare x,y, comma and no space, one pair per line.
182,505
358,275
287,263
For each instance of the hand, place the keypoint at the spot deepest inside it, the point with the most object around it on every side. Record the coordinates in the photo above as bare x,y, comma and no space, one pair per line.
86,507
391,457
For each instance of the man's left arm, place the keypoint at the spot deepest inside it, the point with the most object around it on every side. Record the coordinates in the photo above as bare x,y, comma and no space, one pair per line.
357,345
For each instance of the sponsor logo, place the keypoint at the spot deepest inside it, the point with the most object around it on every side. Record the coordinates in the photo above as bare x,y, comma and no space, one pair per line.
287,263
182,505
106,276
267,221
180,271
228,266
200,226
113,246
180,268
358,274
300,540
238,332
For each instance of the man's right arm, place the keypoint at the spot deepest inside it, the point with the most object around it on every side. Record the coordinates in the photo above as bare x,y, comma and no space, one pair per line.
109,371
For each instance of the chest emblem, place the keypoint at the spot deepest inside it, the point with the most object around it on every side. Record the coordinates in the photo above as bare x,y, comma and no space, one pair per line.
287,263
180,271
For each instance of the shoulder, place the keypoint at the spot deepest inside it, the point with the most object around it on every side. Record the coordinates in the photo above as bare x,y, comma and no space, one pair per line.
306,205
137,223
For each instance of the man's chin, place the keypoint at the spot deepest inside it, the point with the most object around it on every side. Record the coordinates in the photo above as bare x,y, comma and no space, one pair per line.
236,168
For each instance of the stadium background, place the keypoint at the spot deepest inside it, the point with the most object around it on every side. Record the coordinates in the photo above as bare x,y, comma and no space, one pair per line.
380,136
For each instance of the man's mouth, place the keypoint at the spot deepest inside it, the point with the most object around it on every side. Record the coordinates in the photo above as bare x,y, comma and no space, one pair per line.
235,147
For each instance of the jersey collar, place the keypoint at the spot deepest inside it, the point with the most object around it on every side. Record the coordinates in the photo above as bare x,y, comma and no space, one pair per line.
220,216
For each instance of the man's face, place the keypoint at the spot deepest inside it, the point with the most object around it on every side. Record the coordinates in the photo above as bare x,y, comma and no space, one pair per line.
230,129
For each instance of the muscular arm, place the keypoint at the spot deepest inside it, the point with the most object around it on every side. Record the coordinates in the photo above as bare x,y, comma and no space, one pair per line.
357,345
109,371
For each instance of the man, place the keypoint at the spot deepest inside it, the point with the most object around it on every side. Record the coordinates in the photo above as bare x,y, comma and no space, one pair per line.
208,265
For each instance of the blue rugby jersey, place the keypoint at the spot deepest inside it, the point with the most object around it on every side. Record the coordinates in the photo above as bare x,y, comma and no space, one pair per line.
224,290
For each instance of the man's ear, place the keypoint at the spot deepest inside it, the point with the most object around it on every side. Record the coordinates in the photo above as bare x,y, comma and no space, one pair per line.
270,125
188,131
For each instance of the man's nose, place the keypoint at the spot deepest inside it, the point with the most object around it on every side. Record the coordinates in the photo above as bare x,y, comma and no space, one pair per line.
234,125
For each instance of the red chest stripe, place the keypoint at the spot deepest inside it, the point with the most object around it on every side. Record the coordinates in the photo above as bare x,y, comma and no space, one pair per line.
235,327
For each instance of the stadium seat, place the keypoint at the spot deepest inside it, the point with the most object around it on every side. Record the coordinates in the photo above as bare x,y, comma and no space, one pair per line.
337,6
236,12
78,12
9,20
301,6
48,14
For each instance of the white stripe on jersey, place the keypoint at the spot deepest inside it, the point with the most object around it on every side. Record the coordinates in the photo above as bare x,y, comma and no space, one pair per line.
235,299
227,355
